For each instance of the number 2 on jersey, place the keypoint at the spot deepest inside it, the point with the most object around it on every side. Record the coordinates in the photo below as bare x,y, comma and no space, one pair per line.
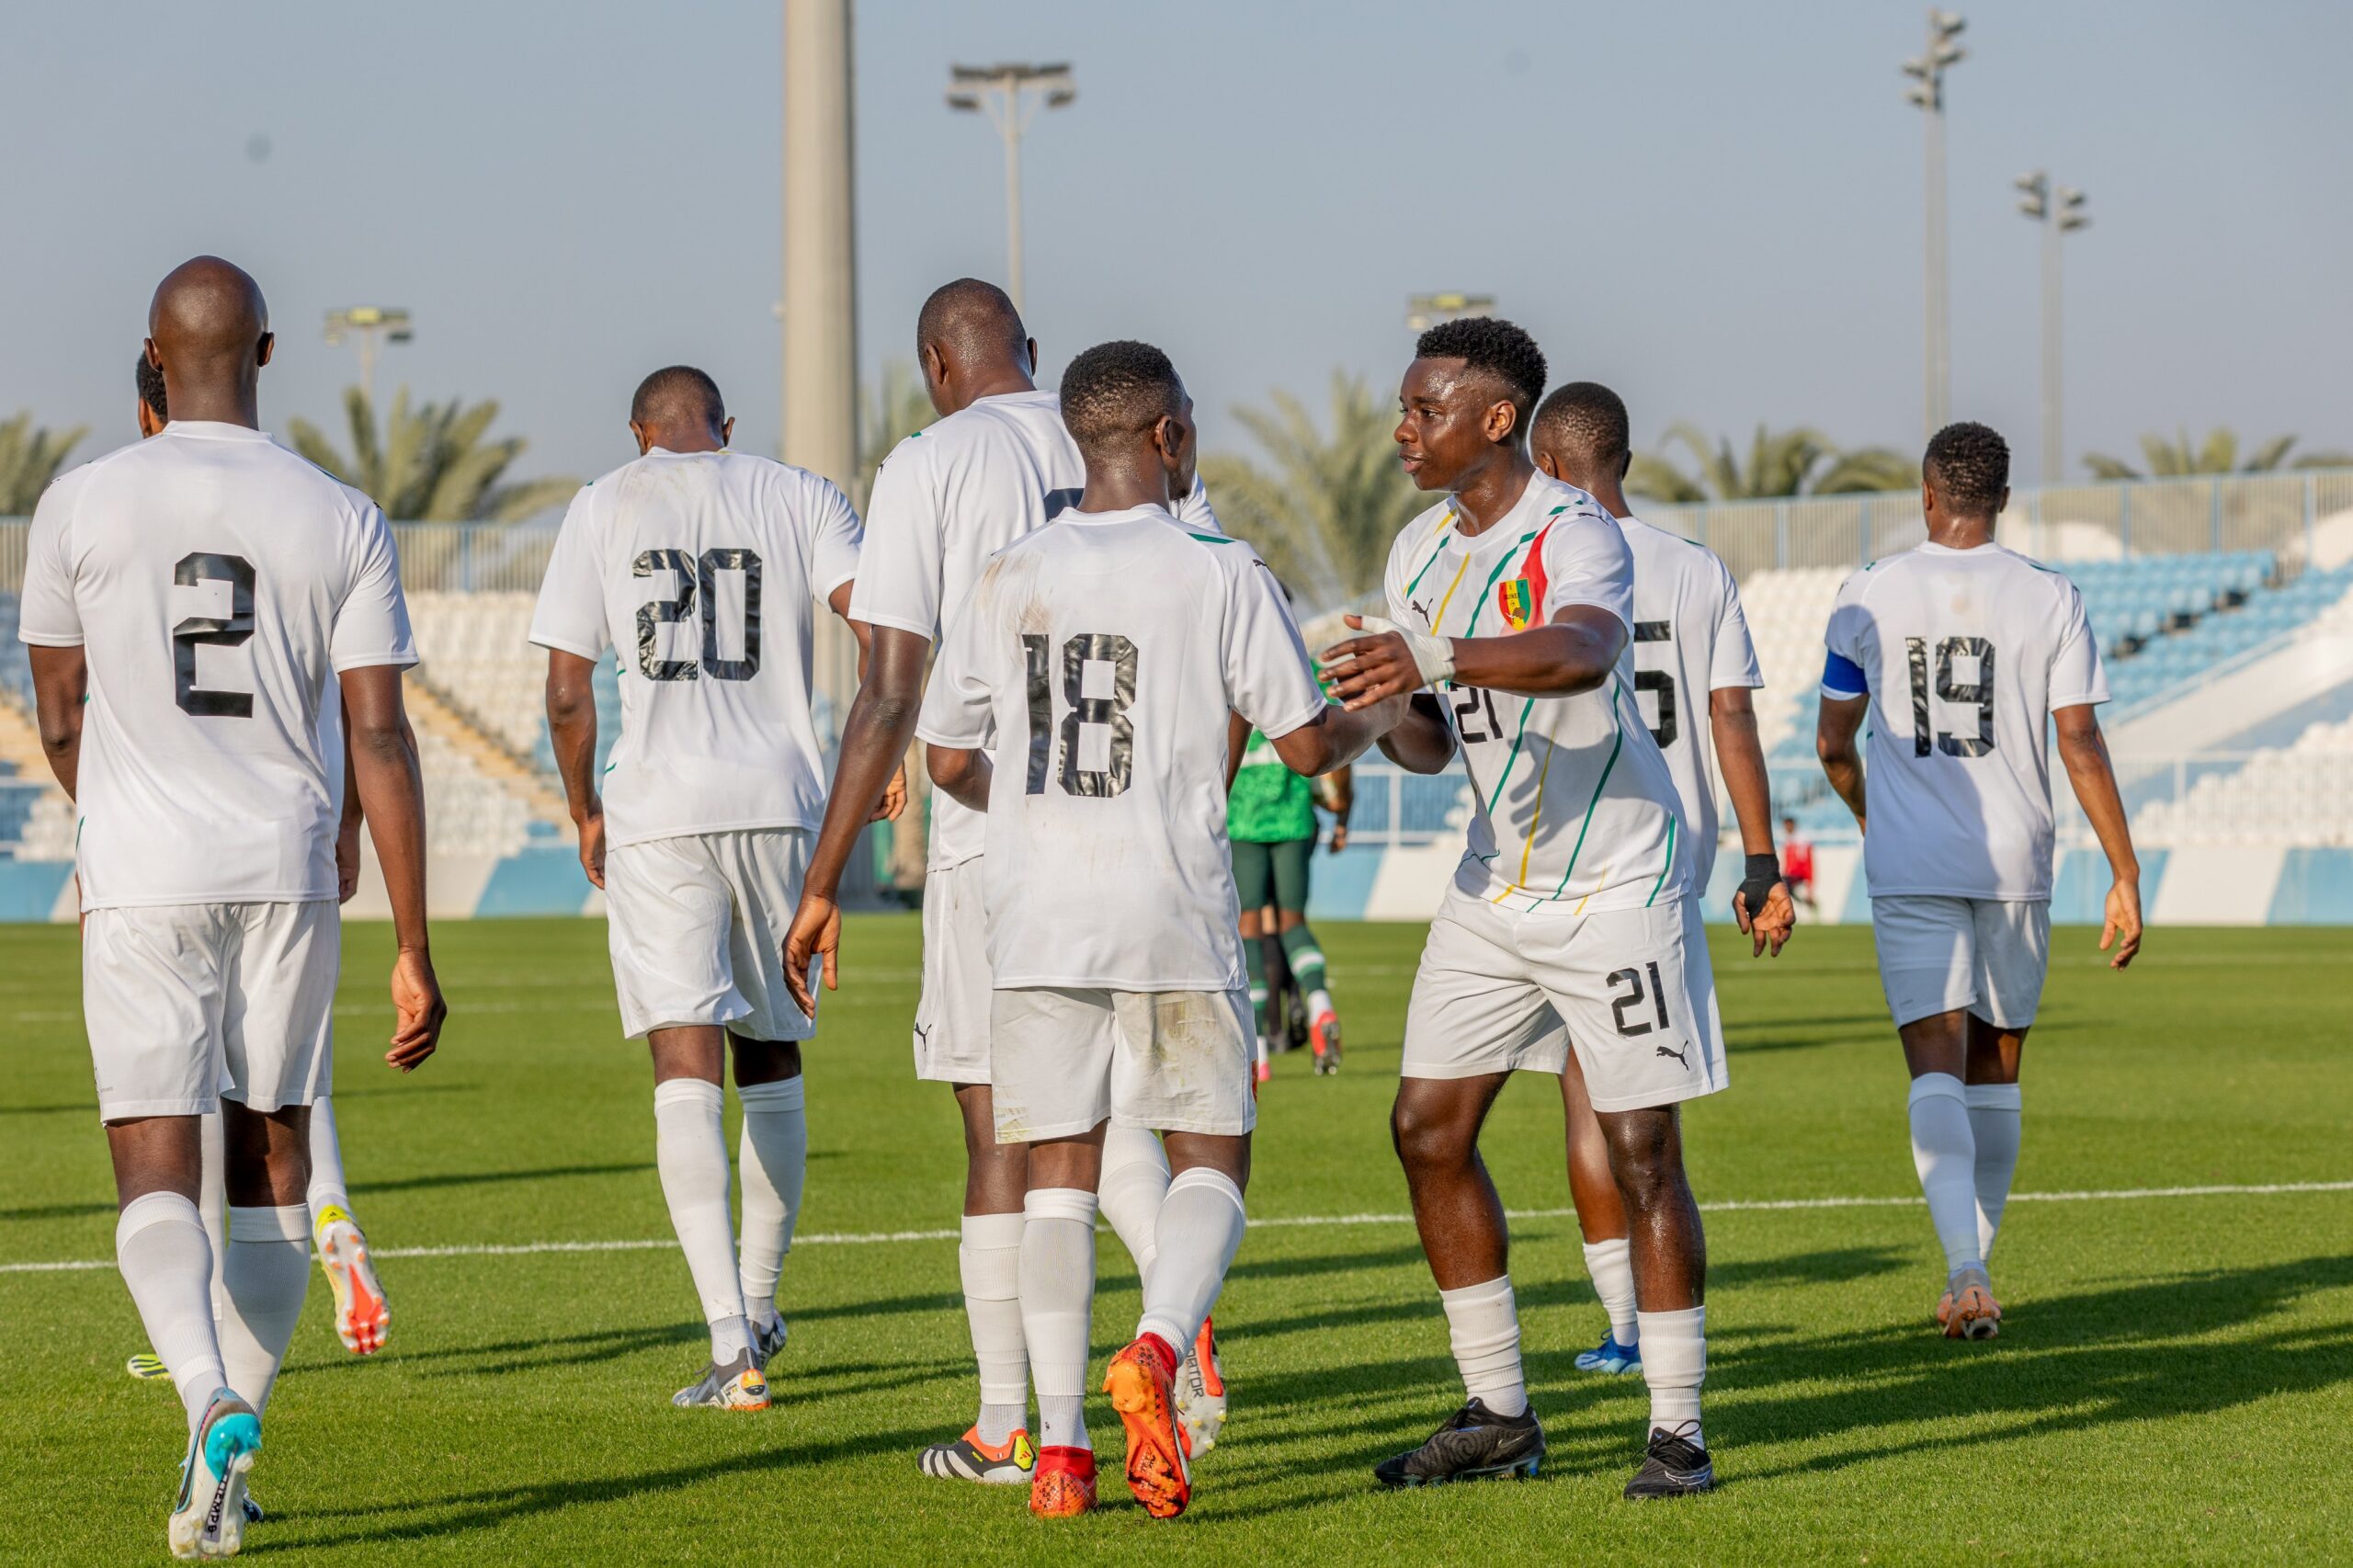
1101,647
212,631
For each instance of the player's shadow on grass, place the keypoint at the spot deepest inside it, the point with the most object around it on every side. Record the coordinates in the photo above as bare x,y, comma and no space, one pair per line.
2137,1353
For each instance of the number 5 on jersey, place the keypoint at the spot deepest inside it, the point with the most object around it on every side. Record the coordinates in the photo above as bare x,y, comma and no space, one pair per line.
1110,655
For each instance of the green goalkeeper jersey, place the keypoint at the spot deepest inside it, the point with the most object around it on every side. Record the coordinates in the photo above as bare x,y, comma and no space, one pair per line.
1270,804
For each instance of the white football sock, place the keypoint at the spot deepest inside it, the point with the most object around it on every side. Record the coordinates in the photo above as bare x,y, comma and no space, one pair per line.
160,1245
263,1276
326,1189
1674,1362
1945,1153
773,1159
1319,1003
1058,1307
1993,1112
1612,1264
213,1198
1484,1325
1201,1222
1135,1183
990,1260
690,1150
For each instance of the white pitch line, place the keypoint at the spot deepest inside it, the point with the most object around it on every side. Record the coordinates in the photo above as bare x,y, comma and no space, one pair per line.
871,1238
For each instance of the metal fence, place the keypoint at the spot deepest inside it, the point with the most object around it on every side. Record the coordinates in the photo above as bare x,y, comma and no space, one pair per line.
2278,512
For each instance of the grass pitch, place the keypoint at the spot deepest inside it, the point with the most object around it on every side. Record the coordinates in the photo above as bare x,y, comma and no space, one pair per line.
2173,1382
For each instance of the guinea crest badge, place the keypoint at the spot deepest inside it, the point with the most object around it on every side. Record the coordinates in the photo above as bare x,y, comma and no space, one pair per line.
1517,600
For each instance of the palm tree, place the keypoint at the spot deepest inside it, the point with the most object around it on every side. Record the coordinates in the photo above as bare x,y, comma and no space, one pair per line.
2219,453
30,459
431,465
896,410
1325,511
1797,462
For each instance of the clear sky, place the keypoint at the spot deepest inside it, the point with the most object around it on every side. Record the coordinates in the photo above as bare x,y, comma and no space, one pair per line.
1717,208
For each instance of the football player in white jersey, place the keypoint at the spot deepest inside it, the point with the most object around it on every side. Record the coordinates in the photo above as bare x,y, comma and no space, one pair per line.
1572,921
703,565
193,602
362,1315
997,466
1117,659
1962,653
1689,637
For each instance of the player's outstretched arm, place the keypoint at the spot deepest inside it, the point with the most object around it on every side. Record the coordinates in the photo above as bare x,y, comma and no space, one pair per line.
1337,736
1834,742
2084,749
1762,903
392,795
60,682
875,735
572,732
1574,652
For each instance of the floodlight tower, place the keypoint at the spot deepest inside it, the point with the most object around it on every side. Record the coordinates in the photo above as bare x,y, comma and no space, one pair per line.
1424,311
1927,94
2059,211
368,327
1009,94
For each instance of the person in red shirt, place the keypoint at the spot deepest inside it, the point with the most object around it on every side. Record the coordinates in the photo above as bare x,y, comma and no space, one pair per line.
1797,862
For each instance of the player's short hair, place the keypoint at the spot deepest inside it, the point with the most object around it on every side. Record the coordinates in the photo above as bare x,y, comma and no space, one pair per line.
1121,388
1589,420
976,319
1968,465
1495,346
151,386
677,394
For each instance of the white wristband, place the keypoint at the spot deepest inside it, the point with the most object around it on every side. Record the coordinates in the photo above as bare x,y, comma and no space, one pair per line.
1433,657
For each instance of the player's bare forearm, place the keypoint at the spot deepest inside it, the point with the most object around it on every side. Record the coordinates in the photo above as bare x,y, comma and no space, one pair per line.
962,774
1237,737
875,735
1740,758
1423,740
1337,736
61,684
1834,742
390,784
571,729
1574,653
2084,749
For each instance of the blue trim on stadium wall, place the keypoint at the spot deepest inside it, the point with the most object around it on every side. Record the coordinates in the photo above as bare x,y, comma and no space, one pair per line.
2222,886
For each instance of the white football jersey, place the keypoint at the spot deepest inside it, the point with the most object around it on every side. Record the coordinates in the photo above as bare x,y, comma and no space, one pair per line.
1575,809
1104,652
1690,639
216,585
703,569
949,497
1965,653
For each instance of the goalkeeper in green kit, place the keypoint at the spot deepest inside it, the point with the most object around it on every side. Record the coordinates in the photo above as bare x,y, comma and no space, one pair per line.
1270,819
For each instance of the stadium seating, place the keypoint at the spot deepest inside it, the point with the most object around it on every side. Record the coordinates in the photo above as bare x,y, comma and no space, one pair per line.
16,669
2296,794
477,653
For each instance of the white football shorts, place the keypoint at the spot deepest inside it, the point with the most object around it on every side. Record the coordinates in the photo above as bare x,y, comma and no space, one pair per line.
1500,990
1947,955
697,929
187,1004
952,1019
1066,1061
